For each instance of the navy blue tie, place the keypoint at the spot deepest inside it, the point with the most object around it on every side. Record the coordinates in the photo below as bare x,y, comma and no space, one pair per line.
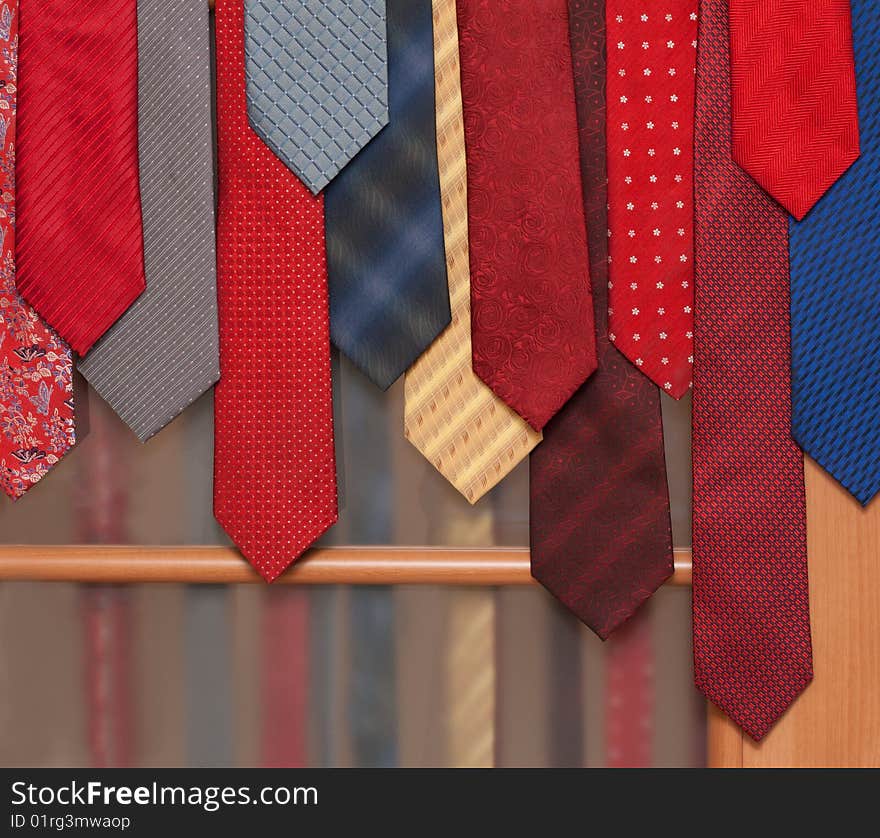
835,298
386,261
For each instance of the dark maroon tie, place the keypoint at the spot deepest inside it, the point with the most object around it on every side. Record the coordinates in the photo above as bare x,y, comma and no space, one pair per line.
601,539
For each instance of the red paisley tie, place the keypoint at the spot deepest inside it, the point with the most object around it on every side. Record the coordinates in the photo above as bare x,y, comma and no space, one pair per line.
793,80
651,61
600,531
752,653
80,243
36,369
274,465
532,327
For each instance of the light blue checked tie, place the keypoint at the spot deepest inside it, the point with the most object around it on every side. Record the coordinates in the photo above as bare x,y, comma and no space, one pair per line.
835,298
317,81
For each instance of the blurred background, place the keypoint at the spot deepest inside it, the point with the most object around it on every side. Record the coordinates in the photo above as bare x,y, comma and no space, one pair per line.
252,675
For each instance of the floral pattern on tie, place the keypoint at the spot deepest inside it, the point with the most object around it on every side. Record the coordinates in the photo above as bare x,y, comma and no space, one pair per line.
651,54
36,368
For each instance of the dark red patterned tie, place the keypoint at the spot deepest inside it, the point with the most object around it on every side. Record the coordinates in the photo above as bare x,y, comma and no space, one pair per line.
752,653
600,529
532,325
80,260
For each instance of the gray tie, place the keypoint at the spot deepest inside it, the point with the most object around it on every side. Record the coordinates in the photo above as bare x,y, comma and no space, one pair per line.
317,80
162,353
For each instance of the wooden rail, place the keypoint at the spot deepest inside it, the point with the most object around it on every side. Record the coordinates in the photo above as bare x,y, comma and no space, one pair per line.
327,566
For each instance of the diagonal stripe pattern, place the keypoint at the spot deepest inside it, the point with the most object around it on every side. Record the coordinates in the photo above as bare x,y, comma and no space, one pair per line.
834,312
795,116
80,243
162,353
467,432
601,539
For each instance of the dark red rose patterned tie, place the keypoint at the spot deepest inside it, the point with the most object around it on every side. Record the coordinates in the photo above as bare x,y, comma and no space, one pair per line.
532,331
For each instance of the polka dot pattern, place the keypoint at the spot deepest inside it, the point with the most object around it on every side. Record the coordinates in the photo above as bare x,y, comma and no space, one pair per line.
274,463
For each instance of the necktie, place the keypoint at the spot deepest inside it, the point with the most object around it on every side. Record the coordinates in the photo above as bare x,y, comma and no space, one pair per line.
472,437
752,653
835,321
317,83
36,372
600,531
80,243
274,465
532,326
795,115
162,353
651,61
385,254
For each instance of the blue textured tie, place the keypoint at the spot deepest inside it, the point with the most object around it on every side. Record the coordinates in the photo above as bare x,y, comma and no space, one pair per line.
835,298
386,260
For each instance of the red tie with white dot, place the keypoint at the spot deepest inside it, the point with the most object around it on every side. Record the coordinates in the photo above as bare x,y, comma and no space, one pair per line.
274,464
650,88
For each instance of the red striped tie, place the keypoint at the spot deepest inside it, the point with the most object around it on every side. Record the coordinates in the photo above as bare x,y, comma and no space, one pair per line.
79,239
793,82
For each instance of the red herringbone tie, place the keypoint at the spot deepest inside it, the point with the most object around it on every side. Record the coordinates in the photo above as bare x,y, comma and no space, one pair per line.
80,244
274,464
752,653
795,115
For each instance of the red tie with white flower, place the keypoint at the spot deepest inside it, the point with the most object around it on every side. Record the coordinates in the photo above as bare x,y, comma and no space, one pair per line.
793,83
36,371
650,87
274,464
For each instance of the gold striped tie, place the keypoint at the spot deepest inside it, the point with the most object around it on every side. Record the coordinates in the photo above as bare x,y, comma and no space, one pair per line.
455,420
470,677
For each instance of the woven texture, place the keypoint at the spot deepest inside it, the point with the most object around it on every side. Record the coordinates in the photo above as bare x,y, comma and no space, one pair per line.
162,353
80,245
36,370
795,116
532,326
386,260
651,63
317,84
752,653
274,465
835,317
600,529
472,437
